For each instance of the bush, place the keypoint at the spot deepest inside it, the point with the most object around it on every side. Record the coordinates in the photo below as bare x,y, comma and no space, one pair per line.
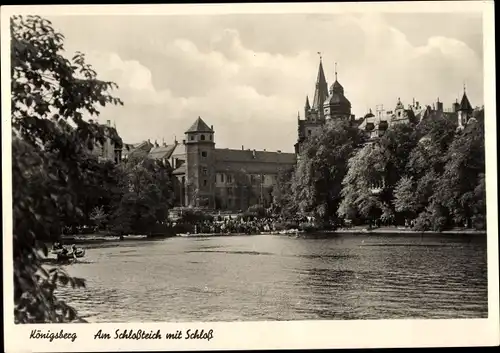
479,222
430,221
308,227
279,226
194,216
257,211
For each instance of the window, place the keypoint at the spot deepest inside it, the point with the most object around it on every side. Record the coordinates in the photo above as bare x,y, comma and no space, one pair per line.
222,178
205,182
192,138
309,132
202,137
399,114
210,137
229,178
204,153
204,171
230,192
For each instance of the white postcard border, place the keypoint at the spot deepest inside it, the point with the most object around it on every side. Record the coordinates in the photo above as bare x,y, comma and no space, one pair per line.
262,335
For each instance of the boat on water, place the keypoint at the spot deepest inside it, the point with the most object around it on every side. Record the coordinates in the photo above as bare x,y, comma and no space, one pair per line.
67,253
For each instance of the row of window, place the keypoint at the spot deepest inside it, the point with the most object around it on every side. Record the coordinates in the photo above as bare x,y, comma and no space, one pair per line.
202,137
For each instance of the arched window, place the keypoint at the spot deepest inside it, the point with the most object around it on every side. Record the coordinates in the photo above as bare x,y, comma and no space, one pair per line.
192,137
203,137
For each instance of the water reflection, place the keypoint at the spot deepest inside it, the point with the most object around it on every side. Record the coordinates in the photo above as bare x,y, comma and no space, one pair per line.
282,278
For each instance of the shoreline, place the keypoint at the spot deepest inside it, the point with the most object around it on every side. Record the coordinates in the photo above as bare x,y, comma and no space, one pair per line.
93,238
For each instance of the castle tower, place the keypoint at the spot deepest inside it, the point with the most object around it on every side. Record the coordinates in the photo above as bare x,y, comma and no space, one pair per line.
337,106
464,111
439,106
320,94
307,109
399,111
314,116
200,165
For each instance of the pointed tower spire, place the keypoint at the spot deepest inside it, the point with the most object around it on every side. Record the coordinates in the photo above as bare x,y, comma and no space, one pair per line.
321,91
335,71
298,115
307,106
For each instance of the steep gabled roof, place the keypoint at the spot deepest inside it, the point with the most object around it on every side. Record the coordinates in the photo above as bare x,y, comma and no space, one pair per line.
321,91
465,104
199,126
161,152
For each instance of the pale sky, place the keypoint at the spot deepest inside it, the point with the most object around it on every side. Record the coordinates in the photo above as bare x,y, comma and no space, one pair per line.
248,75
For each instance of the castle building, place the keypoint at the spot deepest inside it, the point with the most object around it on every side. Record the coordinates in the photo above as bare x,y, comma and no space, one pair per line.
328,104
217,178
332,104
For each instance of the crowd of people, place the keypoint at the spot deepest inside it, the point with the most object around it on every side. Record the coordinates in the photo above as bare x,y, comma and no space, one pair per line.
243,225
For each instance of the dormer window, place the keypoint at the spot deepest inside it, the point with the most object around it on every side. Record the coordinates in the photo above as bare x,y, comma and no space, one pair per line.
192,138
202,137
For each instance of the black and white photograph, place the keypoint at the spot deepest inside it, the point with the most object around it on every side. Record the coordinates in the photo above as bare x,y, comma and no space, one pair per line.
246,166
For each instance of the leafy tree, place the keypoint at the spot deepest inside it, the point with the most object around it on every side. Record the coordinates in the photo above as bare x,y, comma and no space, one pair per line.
379,164
243,189
414,192
463,171
98,216
49,97
281,194
316,183
148,198
366,169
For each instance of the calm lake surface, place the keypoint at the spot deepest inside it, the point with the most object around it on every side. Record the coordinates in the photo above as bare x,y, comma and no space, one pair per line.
253,278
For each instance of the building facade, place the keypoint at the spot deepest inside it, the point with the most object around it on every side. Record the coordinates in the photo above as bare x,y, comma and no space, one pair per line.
217,178
332,104
111,147
328,104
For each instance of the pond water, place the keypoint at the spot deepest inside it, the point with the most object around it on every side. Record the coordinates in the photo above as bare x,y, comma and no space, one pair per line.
254,278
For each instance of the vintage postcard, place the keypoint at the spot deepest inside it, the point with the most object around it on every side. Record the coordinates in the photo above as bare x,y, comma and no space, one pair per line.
249,176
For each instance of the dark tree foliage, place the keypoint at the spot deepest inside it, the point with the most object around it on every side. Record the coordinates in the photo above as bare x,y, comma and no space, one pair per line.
461,187
146,196
317,181
50,141
281,194
378,164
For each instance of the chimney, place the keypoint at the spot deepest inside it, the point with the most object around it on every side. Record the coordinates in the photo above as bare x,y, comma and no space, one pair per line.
439,106
183,142
156,144
279,151
212,127
242,147
108,122
253,154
